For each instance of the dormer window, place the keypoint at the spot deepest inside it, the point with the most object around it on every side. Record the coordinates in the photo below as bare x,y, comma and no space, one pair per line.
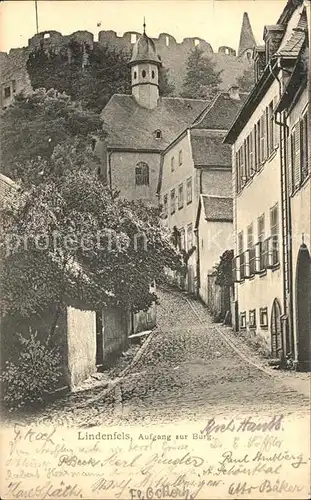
158,134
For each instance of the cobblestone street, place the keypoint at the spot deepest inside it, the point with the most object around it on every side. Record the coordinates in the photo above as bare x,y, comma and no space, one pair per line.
190,368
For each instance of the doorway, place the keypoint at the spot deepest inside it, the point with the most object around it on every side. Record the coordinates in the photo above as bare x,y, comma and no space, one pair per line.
303,309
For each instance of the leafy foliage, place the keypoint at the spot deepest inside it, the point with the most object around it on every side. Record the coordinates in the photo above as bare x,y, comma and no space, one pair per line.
247,80
202,80
65,236
224,269
36,125
37,371
89,75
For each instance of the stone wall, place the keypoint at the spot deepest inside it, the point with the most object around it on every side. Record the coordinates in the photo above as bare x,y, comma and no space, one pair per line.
81,340
174,56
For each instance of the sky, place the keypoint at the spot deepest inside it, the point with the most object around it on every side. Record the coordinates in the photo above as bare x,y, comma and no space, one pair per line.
217,21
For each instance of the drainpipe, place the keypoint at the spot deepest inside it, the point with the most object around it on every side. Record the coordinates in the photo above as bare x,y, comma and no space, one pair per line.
286,208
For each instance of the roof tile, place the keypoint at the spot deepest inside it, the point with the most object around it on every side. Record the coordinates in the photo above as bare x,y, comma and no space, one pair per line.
217,207
131,126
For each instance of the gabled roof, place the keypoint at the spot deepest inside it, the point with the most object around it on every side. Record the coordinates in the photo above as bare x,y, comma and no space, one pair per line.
294,43
291,51
208,148
221,113
132,127
215,208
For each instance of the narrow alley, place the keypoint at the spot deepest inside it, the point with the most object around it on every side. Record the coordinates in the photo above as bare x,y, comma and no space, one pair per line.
190,367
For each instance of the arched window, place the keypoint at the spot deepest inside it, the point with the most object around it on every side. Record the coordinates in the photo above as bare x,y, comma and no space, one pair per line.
135,75
143,73
142,174
153,74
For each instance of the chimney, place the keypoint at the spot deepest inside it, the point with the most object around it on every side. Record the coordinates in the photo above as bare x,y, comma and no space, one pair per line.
233,92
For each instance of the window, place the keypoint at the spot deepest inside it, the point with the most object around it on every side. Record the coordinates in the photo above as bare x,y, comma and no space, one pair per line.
295,157
196,42
135,75
251,154
152,74
274,231
189,190
46,36
239,170
263,317
262,139
252,318
270,129
251,250
180,157
165,206
173,201
14,86
243,320
189,237
143,73
180,196
241,254
167,41
258,150
133,37
142,174
158,134
182,239
7,92
172,164
304,139
261,236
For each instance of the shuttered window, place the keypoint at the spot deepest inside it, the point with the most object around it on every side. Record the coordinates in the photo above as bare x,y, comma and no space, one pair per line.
274,231
180,196
262,139
173,201
261,237
304,146
251,153
258,155
271,129
276,130
237,172
295,156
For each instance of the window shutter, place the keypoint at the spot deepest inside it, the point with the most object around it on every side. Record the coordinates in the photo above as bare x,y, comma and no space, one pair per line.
276,131
251,153
296,157
262,139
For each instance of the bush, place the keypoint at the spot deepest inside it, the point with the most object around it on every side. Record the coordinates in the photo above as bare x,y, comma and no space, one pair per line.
38,371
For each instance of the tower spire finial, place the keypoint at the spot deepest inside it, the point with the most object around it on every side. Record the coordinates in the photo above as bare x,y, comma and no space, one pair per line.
144,25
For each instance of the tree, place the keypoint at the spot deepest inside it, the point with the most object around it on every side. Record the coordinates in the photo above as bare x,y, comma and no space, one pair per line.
38,123
247,80
202,80
166,87
224,269
90,75
65,236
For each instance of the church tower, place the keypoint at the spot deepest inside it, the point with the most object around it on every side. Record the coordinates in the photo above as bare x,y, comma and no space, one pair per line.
247,39
145,64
